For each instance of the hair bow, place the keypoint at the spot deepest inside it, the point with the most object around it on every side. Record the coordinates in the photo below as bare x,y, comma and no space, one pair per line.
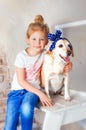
54,37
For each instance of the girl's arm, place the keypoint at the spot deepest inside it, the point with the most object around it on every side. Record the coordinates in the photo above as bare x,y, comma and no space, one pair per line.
20,72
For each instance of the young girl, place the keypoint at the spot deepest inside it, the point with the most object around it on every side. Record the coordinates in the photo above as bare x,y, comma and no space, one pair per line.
25,91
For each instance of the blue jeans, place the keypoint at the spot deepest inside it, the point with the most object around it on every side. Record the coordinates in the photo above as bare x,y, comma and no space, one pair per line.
20,103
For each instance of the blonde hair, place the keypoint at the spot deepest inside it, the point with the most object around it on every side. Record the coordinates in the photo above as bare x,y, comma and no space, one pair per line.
37,25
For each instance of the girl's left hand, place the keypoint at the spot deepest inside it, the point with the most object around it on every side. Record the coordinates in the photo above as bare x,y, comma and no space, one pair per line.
68,67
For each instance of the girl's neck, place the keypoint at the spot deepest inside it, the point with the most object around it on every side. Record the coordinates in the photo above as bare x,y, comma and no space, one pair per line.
31,52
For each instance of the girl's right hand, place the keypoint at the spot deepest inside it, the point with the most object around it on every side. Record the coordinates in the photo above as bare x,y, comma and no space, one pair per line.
45,100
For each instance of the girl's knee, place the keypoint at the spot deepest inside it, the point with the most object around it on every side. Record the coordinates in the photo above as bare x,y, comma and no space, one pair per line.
27,110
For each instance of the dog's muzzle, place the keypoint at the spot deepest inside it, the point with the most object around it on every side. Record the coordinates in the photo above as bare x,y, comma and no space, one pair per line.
66,59
68,53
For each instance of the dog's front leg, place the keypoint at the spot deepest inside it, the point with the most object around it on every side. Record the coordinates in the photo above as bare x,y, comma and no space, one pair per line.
66,88
47,87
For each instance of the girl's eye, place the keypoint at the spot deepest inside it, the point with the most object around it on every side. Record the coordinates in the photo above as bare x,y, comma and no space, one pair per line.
42,39
34,39
60,46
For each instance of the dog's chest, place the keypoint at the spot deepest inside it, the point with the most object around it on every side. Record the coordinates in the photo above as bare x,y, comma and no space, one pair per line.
56,76
56,81
55,67
54,73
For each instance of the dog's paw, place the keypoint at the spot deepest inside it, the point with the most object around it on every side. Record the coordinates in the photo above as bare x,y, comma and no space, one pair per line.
67,98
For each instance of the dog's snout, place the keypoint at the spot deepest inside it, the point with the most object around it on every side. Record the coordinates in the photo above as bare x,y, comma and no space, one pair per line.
68,53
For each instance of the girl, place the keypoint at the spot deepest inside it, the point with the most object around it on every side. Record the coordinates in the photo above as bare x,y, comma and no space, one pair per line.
25,91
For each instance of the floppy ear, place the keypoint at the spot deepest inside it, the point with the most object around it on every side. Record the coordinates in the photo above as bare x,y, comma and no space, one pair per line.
71,47
72,52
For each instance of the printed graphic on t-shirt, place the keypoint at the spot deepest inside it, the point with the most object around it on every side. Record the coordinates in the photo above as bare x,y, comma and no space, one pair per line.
33,72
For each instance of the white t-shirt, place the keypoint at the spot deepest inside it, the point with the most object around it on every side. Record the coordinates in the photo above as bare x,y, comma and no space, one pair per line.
32,66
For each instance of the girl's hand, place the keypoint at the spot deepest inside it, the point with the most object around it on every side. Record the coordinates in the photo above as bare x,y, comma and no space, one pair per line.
68,67
45,101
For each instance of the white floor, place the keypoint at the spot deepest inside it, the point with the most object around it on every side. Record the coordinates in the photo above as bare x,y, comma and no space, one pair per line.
73,126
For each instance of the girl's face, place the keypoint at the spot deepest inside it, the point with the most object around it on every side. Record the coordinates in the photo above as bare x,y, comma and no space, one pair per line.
37,42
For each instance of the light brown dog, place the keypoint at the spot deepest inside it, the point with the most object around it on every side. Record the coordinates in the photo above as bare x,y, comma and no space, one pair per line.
53,76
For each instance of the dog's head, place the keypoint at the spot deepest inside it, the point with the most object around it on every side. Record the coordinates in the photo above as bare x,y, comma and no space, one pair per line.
61,47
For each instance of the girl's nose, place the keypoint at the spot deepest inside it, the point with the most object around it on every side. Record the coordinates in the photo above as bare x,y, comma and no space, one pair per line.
38,42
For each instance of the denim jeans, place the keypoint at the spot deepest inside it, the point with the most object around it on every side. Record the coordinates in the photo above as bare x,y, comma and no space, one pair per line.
20,103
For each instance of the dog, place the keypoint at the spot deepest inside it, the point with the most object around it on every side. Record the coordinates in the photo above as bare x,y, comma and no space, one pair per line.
52,75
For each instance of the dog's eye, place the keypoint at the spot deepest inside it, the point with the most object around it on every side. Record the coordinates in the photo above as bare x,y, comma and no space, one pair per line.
70,46
60,46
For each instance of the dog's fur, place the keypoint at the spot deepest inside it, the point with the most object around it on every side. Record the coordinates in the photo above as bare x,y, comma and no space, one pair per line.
53,76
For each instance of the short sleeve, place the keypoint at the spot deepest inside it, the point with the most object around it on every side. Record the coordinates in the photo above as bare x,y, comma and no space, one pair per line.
20,62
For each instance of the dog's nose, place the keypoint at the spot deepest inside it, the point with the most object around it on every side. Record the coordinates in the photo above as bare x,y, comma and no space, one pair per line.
68,53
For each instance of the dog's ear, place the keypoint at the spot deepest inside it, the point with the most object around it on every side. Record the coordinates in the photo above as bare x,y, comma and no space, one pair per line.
71,48
72,52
